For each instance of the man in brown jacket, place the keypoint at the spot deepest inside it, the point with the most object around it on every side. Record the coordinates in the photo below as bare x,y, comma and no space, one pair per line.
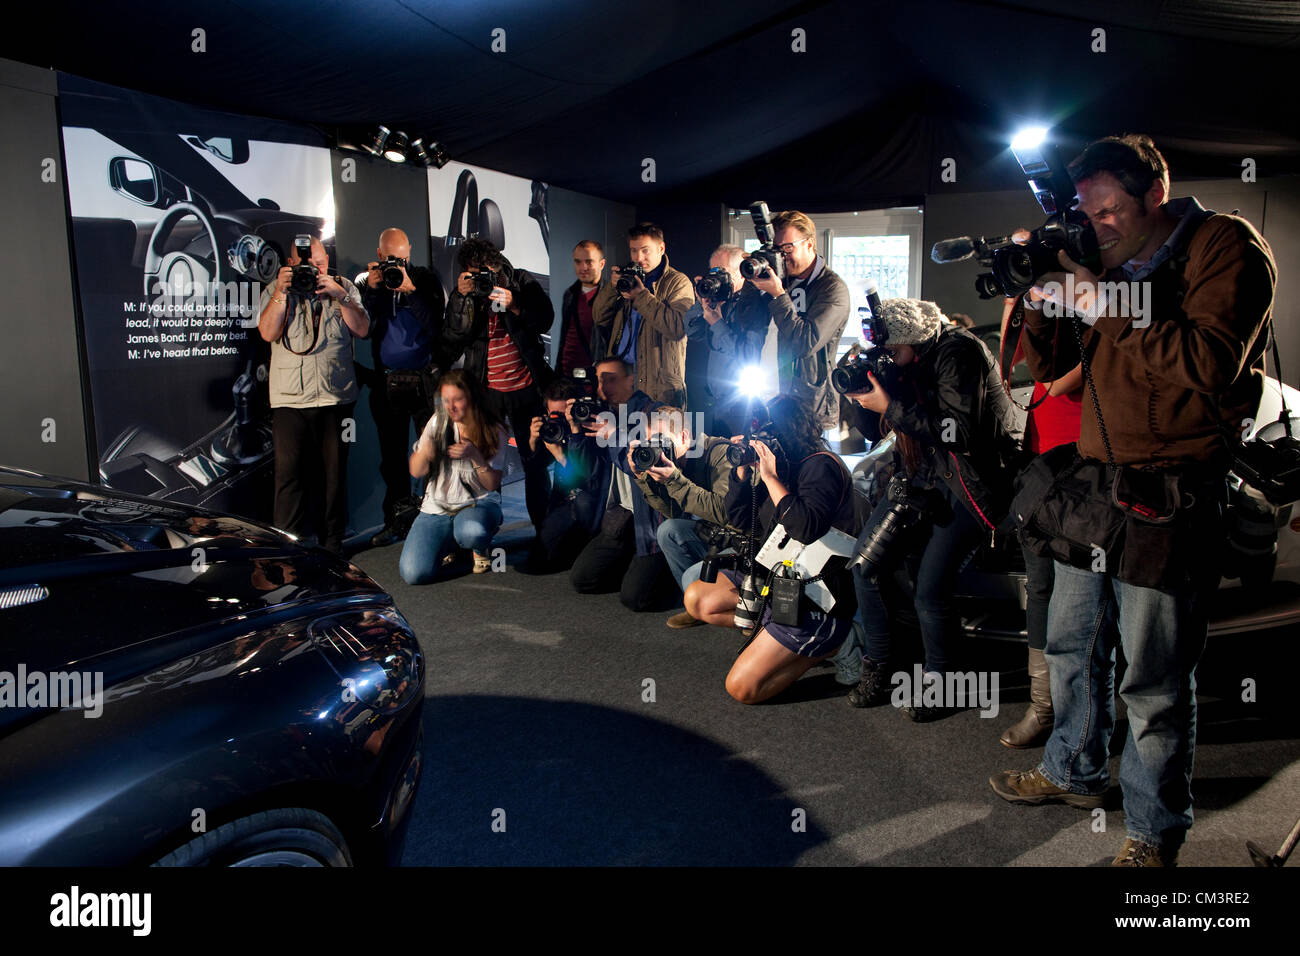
1176,364
647,324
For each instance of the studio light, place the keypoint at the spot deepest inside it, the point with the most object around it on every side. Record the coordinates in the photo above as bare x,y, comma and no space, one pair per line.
752,382
375,142
433,154
395,149
1029,138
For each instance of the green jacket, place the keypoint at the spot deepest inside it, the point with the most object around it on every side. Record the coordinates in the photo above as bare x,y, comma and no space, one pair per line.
661,346
697,487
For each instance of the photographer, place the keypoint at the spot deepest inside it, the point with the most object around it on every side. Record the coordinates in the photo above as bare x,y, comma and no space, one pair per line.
739,335
406,327
810,309
624,554
581,475
313,389
647,322
689,481
580,341
498,328
953,424
1193,370
806,489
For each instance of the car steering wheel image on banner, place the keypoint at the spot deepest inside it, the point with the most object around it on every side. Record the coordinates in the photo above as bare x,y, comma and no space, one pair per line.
184,275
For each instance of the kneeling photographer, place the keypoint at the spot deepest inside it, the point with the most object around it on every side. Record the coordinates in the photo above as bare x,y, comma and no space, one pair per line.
803,488
937,388
684,477
580,477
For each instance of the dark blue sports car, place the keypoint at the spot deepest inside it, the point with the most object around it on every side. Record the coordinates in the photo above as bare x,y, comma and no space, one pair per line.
184,688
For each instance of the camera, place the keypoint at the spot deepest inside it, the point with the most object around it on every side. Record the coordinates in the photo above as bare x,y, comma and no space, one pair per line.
851,373
587,410
745,455
646,455
627,277
1270,463
555,429
716,286
483,283
391,271
305,275
765,259
1014,268
720,539
876,545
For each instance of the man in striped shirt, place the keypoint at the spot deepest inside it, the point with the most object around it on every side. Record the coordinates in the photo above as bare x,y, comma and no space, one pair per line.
497,326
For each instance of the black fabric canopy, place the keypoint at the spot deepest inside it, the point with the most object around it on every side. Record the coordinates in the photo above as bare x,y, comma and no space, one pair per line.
715,93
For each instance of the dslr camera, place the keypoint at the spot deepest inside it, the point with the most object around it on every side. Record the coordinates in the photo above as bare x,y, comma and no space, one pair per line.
851,374
744,454
646,454
555,429
483,282
878,545
715,286
765,259
305,275
587,410
627,277
390,271
1013,268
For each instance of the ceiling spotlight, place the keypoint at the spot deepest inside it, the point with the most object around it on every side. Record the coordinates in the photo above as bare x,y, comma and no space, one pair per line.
434,154
374,143
395,149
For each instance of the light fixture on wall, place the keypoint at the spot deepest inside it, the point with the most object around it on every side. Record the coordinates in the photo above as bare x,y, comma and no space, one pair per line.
374,142
395,147
432,154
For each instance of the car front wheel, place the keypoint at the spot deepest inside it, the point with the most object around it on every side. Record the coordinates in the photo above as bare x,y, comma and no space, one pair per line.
292,836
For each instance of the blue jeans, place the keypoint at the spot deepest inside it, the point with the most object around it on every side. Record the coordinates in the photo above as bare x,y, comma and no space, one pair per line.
944,544
430,538
680,545
1162,636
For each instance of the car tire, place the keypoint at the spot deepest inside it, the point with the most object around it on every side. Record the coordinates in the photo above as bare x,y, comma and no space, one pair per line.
292,836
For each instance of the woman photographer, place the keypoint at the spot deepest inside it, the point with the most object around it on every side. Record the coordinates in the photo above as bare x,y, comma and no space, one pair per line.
952,422
463,449
806,489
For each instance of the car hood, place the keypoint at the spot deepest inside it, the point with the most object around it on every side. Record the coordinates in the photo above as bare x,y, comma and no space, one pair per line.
88,574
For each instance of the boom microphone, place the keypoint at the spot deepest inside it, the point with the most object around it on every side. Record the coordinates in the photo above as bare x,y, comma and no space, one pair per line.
953,250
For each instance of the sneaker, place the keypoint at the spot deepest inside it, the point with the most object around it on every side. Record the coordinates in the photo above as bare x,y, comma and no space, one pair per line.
848,662
1031,787
1138,853
482,563
390,535
873,686
684,620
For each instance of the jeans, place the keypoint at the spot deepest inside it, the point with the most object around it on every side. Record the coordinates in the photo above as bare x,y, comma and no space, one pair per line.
945,540
430,536
1162,636
681,546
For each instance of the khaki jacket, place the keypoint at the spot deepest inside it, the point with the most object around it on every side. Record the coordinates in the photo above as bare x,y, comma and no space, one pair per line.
326,374
661,346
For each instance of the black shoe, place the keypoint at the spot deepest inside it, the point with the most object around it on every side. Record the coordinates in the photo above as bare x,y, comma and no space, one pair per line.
390,535
925,713
873,687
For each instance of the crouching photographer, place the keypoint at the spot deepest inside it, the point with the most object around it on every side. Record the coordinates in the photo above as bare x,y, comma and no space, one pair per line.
580,477
685,478
804,489
937,388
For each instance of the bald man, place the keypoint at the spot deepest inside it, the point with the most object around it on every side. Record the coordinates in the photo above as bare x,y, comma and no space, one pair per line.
406,319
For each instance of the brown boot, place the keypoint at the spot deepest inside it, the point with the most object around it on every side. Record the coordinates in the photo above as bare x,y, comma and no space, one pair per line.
1036,726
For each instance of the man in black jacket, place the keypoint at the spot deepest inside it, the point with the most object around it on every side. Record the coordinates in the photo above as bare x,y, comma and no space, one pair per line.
581,341
498,327
405,334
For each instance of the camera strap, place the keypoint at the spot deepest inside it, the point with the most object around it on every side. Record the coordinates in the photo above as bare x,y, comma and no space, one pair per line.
315,308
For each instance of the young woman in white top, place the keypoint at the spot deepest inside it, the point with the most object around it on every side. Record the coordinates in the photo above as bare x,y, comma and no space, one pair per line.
463,450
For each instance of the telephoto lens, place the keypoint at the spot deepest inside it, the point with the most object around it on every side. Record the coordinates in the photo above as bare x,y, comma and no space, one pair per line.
876,545
746,616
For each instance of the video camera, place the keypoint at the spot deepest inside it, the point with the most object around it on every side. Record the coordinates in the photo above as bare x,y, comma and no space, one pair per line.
851,374
304,275
627,276
715,286
1015,268
765,259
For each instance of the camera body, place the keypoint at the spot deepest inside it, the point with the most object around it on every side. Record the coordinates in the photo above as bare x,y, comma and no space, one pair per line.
1014,268
744,454
391,272
878,545
715,286
627,277
555,429
646,455
851,374
587,410
1272,466
765,259
305,275
483,282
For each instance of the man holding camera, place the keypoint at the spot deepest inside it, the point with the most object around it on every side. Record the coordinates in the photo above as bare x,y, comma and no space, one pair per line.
496,318
644,308
810,309
581,342
310,318
405,304
734,323
1193,367
625,553
684,478
581,475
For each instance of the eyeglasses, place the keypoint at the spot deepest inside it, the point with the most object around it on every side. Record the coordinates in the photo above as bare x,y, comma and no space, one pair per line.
788,247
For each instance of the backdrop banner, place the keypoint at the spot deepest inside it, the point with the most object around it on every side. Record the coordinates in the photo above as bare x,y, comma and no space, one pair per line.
179,215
